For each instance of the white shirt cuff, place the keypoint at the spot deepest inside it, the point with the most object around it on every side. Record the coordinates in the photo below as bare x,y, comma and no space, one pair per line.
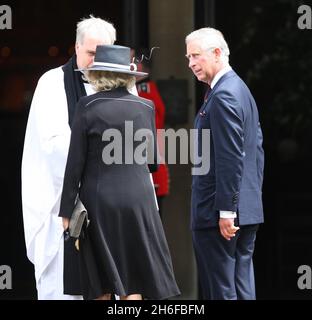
227,214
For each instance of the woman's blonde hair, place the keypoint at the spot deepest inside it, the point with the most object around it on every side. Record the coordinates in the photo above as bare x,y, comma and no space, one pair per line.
108,80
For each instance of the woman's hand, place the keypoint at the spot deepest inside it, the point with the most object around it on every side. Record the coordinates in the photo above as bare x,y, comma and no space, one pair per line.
65,223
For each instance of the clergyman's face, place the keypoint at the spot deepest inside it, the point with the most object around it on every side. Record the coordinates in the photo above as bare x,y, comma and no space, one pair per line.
86,51
201,62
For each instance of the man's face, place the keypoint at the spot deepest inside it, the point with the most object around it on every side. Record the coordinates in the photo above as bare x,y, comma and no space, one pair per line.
86,51
202,63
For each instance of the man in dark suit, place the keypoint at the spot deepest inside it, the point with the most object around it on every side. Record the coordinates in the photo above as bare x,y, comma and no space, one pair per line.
226,201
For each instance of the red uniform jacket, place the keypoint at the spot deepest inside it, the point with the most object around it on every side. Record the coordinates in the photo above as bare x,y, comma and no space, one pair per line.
148,89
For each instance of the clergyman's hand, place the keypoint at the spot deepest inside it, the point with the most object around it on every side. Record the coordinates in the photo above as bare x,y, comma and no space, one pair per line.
65,223
227,228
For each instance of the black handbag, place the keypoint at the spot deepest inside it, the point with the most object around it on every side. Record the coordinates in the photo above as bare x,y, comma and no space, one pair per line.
77,220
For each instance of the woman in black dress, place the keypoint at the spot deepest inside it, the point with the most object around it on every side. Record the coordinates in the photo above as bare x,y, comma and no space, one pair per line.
124,250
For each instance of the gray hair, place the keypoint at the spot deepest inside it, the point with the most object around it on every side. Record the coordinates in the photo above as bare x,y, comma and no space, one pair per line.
209,38
108,80
95,28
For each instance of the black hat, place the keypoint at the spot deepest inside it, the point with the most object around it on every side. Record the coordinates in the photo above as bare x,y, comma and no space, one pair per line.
113,58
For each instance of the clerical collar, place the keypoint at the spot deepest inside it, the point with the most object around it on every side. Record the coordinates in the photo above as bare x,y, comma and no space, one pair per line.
83,78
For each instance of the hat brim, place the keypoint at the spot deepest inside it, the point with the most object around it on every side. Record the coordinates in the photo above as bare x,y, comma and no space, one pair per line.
102,68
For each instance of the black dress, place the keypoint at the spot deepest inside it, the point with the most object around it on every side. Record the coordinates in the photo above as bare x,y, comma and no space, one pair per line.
124,250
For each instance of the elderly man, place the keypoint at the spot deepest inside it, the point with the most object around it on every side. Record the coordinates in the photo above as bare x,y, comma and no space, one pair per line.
44,158
226,201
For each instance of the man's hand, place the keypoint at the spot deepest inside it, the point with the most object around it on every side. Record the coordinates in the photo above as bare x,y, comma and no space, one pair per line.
227,228
65,223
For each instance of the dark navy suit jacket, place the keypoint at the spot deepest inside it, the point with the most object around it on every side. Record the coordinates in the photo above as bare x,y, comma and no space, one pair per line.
234,180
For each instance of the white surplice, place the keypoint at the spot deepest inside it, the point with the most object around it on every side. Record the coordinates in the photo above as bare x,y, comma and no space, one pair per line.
44,159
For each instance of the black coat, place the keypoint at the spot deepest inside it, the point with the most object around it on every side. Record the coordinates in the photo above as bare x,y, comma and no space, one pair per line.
124,250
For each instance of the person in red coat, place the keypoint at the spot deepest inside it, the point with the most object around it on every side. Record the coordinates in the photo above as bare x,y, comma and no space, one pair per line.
147,88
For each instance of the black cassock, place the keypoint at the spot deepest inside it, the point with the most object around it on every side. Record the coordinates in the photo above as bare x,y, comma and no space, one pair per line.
74,89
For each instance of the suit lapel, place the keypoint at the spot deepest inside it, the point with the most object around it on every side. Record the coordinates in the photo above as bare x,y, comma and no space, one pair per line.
229,74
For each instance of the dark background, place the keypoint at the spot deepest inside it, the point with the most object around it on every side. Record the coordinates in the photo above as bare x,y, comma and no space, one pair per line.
268,51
